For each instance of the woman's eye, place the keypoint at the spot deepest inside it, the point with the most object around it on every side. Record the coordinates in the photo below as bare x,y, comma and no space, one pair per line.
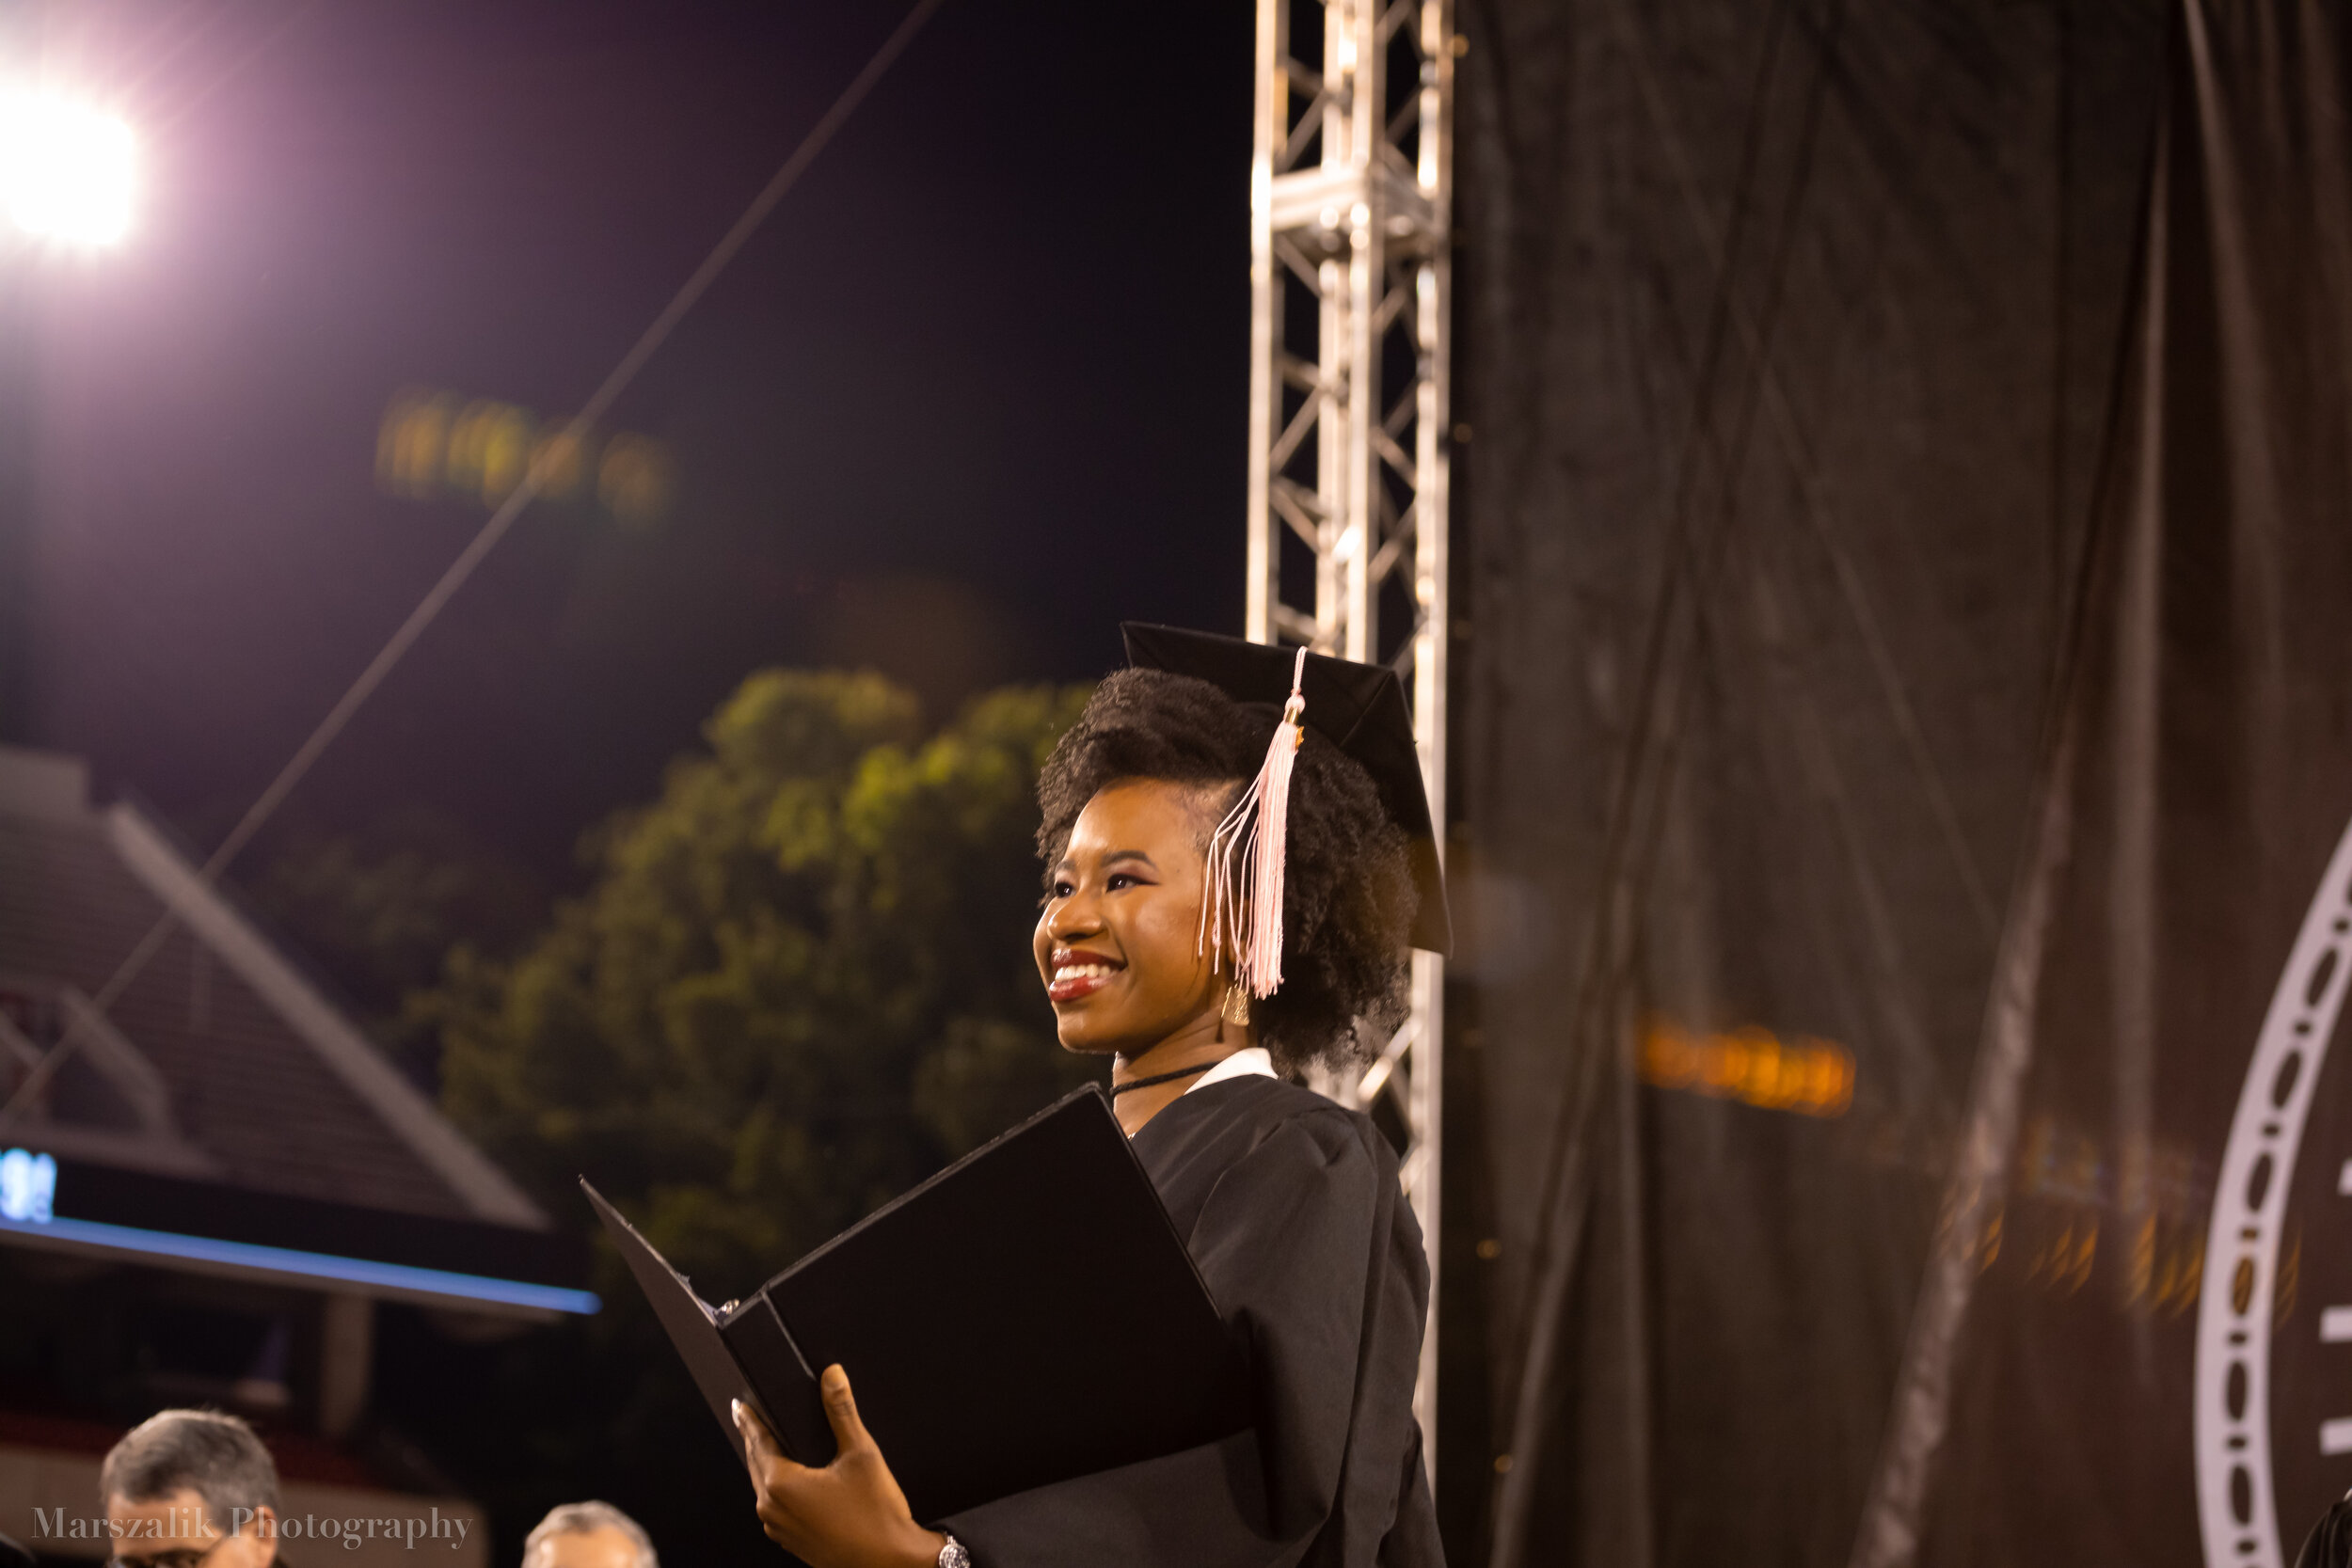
1121,878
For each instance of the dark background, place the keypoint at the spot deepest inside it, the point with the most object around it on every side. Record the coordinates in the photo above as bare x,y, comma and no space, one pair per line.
1790,334
972,395
1868,396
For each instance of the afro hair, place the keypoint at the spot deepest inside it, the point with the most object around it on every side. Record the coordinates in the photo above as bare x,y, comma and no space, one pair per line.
1348,896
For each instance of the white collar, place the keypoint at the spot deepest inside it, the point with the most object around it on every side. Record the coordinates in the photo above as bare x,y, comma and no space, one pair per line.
1253,1062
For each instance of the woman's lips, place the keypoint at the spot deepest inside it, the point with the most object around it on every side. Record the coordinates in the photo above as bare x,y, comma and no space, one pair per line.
1079,973
1076,987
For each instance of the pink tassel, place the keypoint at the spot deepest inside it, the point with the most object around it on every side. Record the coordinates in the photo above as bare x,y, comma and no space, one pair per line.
1243,910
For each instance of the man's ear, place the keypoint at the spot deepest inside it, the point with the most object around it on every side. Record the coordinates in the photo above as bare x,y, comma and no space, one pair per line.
264,1528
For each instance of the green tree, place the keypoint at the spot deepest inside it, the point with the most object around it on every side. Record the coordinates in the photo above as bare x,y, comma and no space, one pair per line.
800,980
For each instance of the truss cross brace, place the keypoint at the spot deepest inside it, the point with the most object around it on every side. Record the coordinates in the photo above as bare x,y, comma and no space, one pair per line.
1350,434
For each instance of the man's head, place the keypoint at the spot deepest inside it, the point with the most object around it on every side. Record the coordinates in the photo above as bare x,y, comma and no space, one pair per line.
588,1535
190,1487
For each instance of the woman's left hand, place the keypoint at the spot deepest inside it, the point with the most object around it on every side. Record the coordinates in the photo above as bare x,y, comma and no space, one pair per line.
848,1515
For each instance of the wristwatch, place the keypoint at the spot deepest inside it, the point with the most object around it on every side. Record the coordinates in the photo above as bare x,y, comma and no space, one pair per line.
953,1555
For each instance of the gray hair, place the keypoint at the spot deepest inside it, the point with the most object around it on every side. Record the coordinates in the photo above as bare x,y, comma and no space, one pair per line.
215,1456
580,1519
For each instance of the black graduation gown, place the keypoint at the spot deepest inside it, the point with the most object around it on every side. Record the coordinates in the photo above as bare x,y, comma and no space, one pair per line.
1290,1205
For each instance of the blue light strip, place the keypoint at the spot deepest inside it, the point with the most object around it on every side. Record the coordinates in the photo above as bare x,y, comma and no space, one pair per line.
311,1265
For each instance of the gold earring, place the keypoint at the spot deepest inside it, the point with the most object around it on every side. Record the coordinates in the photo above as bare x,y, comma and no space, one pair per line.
1236,1008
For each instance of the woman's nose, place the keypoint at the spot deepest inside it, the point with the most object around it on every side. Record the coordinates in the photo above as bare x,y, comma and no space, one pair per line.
1075,916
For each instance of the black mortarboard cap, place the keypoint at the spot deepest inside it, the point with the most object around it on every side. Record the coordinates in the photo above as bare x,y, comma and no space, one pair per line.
1358,707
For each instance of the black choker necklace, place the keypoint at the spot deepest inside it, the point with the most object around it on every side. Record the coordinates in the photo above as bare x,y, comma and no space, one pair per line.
1118,1089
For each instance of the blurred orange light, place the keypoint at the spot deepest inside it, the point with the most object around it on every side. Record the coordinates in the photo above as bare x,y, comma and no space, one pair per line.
1753,1066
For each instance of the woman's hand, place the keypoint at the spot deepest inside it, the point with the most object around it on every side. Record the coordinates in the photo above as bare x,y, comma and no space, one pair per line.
850,1513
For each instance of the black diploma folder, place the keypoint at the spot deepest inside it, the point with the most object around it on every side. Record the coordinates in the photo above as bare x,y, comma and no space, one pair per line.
1028,1315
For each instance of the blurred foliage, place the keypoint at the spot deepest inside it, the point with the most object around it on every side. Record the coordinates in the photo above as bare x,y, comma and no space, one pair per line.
797,982
381,908
800,981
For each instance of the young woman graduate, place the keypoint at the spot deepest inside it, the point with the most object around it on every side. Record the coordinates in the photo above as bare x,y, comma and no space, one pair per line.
1239,852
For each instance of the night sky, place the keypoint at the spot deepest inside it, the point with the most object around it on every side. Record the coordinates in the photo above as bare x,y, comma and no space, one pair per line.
976,393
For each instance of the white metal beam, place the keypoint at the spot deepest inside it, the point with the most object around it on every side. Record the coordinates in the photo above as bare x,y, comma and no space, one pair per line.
1351,204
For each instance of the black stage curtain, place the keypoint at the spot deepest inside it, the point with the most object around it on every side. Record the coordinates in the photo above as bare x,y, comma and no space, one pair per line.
1905,546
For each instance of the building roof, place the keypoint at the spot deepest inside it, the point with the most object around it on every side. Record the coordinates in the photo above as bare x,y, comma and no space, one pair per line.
222,1061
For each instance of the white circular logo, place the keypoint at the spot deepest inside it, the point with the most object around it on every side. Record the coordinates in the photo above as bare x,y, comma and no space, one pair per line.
2247,1392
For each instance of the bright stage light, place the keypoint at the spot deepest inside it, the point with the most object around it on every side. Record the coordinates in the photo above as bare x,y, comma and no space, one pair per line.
67,171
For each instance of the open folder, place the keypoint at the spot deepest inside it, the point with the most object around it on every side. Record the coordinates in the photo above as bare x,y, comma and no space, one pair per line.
1028,1315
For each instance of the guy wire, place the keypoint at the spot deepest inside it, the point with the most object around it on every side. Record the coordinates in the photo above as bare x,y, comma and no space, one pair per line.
500,521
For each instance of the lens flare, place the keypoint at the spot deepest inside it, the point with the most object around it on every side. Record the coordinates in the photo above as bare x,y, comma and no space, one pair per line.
67,171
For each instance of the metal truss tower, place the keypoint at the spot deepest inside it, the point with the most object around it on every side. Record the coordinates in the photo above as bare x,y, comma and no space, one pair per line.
1351,197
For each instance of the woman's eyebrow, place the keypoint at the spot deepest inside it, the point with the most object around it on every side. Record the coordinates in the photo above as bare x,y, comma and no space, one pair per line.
1117,855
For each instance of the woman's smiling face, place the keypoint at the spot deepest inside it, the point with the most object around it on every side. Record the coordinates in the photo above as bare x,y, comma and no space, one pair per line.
1119,942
